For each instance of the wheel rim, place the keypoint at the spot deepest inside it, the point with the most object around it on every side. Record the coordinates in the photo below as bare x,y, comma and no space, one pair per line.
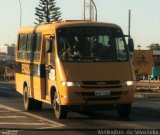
56,105
25,98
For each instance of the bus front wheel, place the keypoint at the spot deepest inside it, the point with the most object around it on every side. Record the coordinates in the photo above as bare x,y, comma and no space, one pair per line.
30,103
124,110
59,110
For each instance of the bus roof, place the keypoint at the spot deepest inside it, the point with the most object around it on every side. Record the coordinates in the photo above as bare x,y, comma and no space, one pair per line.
66,23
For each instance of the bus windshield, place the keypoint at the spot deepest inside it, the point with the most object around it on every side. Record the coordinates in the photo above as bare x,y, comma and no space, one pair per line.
91,43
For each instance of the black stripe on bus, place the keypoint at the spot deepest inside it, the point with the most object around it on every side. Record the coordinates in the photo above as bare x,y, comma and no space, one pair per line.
30,69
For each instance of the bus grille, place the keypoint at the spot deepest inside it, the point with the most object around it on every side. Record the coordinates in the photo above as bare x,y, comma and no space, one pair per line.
101,84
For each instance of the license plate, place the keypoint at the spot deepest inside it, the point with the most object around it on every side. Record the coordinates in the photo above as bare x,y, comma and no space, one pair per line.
102,93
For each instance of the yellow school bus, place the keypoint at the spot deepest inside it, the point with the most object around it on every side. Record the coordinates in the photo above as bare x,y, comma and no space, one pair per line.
75,65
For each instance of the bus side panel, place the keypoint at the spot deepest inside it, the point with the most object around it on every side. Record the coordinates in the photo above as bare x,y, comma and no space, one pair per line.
42,88
19,81
34,85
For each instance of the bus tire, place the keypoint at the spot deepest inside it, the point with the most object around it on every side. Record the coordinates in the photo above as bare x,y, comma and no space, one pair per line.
124,110
30,103
59,110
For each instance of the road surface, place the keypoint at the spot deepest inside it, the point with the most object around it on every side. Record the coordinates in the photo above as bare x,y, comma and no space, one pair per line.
14,120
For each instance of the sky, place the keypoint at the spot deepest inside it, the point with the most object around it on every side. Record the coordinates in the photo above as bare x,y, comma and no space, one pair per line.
145,17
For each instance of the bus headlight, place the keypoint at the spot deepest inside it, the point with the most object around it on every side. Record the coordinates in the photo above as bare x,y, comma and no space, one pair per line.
70,84
129,83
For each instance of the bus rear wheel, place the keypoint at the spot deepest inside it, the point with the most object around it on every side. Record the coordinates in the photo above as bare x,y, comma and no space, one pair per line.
30,103
124,110
59,110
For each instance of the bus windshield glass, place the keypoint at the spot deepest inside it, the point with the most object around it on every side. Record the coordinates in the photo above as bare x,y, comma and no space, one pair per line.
91,43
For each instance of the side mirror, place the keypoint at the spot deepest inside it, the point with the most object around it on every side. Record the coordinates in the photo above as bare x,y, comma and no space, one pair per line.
130,44
49,45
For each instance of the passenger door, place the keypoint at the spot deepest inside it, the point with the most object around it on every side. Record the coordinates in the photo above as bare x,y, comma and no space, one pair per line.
49,63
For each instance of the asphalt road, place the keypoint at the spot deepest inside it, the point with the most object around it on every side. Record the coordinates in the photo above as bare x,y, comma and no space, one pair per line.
14,120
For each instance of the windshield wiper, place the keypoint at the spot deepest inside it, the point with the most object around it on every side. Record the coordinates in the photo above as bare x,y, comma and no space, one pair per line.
73,58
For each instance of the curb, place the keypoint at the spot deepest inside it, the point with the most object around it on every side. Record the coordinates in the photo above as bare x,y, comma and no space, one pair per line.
147,95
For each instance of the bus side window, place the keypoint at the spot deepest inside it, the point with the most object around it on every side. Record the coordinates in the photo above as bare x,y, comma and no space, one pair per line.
36,46
38,42
52,56
29,42
22,42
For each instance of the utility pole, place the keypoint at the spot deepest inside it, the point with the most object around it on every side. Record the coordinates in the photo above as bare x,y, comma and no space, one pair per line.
84,10
129,23
88,10
20,14
95,9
